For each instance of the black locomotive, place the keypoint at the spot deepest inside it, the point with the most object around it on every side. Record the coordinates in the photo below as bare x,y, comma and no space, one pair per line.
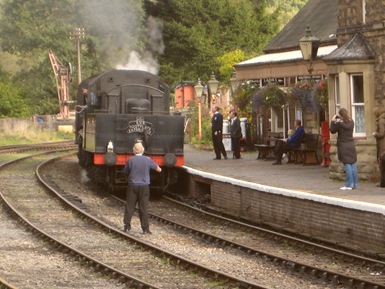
115,110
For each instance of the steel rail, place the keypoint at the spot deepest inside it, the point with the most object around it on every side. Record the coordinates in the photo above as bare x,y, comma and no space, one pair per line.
319,273
98,266
175,258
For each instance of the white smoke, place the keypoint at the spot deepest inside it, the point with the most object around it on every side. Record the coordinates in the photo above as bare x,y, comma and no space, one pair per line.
83,177
148,60
117,22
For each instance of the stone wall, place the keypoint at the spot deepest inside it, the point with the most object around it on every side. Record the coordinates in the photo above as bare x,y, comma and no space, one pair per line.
366,161
298,213
352,20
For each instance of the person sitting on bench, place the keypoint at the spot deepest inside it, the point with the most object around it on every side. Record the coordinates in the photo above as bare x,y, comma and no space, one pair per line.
292,142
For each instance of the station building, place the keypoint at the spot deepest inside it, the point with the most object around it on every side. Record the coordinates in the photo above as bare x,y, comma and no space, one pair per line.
350,58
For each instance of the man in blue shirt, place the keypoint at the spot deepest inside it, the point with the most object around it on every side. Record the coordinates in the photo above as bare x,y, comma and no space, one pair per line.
137,170
292,142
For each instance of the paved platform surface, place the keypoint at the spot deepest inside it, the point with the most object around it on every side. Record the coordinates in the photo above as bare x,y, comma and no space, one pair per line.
305,179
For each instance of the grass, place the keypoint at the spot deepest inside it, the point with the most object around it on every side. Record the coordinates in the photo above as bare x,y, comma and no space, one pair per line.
33,136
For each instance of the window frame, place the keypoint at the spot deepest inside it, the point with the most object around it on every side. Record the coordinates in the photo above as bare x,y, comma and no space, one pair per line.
354,105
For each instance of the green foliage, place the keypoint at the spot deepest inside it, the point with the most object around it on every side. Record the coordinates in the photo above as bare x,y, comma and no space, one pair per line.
31,134
198,35
285,9
30,29
12,103
227,62
243,98
198,38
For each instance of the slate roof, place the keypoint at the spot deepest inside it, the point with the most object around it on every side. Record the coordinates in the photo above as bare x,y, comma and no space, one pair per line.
322,18
357,48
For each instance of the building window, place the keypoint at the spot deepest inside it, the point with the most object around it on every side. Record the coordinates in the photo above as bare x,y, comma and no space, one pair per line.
357,100
337,94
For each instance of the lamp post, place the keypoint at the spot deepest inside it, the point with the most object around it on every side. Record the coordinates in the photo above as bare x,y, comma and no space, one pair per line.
213,86
234,82
309,48
78,34
198,88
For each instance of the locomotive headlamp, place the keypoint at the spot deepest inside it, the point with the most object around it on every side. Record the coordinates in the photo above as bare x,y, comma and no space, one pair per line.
110,157
110,147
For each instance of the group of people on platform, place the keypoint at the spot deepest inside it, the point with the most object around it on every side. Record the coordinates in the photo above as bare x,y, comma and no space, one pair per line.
138,167
342,124
217,133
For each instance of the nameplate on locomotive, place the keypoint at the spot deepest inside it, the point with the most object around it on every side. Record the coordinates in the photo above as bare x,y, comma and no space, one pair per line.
140,125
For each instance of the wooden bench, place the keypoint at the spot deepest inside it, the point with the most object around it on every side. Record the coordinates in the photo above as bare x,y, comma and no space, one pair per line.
266,149
309,151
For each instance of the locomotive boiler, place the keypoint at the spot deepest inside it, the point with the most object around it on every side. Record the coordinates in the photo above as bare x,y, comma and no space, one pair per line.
115,110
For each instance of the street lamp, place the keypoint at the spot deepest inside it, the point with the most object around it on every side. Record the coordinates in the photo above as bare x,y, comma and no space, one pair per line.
213,86
234,82
198,88
309,48
78,34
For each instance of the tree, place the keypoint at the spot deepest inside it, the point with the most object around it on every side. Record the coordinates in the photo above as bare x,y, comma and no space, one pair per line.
30,29
12,102
196,36
181,39
227,62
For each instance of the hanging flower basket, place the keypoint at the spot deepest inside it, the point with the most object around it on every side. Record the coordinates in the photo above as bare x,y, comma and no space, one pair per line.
271,96
310,95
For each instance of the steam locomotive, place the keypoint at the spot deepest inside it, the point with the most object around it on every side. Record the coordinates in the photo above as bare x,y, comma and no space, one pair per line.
115,110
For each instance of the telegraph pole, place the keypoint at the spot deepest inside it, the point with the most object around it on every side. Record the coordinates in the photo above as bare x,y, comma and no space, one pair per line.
77,34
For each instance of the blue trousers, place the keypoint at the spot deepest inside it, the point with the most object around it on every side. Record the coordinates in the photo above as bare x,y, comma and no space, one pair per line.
351,180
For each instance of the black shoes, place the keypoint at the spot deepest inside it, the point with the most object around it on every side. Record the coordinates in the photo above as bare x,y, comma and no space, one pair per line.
126,228
277,163
148,232
216,159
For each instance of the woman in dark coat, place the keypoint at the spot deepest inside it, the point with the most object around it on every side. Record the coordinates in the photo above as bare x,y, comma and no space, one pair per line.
343,124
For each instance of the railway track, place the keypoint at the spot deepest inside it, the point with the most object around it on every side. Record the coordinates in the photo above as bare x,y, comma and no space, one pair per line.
109,251
367,273
332,266
17,149
223,237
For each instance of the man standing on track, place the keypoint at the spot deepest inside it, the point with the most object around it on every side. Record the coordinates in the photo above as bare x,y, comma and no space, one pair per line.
138,169
217,131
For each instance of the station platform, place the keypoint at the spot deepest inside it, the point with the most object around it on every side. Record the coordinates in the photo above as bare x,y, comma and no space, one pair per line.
309,182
